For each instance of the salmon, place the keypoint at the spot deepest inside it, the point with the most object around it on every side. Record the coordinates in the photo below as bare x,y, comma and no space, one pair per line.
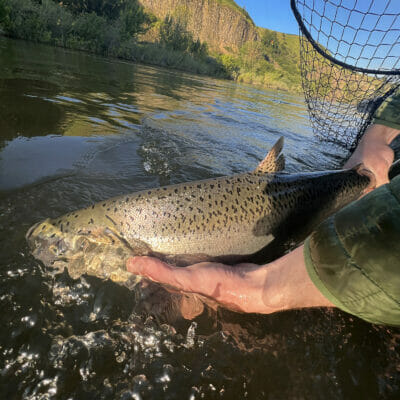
252,217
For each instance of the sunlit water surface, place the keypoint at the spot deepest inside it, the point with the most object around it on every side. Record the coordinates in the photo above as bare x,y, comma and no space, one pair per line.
75,129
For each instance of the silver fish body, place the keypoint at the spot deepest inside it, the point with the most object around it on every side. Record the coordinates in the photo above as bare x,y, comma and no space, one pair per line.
228,219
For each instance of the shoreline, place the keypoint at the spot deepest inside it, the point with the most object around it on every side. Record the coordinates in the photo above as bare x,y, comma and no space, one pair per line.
152,46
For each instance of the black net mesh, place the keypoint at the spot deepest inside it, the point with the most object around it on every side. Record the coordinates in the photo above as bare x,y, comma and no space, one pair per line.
350,62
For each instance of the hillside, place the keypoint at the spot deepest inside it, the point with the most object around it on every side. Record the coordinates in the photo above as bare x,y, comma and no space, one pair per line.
248,53
222,24
210,37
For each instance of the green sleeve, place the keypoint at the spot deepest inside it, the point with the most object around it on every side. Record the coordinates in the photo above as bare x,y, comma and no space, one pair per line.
353,257
388,113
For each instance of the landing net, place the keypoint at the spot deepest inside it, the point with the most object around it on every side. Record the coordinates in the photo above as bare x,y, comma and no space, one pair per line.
350,62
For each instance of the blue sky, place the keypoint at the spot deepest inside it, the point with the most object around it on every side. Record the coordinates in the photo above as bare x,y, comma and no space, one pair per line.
272,14
368,37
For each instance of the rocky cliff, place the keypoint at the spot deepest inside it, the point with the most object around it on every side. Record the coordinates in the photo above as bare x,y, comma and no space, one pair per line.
221,24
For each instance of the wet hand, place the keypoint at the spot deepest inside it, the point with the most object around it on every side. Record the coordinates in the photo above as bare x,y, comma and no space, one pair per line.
283,284
239,288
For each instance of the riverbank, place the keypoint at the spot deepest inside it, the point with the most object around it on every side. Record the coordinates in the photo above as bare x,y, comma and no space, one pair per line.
117,32
111,36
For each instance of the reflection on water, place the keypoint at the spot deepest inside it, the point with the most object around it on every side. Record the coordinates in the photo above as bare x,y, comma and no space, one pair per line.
75,129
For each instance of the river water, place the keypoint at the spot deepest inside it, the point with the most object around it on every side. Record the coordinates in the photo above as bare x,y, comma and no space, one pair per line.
75,129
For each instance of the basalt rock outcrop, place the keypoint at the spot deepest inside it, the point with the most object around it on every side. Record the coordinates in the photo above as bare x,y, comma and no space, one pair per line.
224,27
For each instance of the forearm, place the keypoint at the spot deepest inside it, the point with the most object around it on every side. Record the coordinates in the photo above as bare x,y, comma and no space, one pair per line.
287,285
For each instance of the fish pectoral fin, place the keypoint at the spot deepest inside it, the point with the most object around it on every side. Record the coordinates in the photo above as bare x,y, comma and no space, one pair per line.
274,160
136,246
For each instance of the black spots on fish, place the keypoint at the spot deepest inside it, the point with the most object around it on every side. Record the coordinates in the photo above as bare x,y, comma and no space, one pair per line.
61,227
209,205
219,186
67,223
108,208
234,209
104,204
238,190
187,199
115,209
92,206
91,221
198,186
43,227
175,190
185,188
212,186
76,216
199,210
149,192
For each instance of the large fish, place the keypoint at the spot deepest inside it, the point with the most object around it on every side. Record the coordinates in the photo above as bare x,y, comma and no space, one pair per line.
246,217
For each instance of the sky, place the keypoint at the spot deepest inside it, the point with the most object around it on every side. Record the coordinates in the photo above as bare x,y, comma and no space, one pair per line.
272,14
364,33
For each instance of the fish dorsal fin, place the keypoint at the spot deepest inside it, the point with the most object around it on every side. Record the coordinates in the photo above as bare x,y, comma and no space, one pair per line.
274,160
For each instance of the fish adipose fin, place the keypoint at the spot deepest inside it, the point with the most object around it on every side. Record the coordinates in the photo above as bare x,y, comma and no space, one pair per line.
274,160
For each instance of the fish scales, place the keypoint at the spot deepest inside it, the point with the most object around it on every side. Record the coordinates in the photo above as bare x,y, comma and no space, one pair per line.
244,217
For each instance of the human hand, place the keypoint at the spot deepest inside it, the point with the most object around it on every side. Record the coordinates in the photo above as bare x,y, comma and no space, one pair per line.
281,285
374,152
237,288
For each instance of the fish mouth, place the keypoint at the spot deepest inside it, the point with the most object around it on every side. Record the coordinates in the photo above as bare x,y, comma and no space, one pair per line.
47,243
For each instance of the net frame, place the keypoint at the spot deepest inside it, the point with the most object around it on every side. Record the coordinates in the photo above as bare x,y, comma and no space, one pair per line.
342,89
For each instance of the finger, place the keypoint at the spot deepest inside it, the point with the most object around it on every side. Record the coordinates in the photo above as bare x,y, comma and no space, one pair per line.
161,272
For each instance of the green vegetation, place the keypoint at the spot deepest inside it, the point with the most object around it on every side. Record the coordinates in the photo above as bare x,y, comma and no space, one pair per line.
106,27
234,6
115,28
273,61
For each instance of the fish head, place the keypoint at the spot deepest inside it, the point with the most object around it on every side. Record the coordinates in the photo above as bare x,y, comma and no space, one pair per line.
99,252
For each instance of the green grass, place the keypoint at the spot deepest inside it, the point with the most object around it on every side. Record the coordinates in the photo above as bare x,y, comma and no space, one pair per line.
272,61
234,6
